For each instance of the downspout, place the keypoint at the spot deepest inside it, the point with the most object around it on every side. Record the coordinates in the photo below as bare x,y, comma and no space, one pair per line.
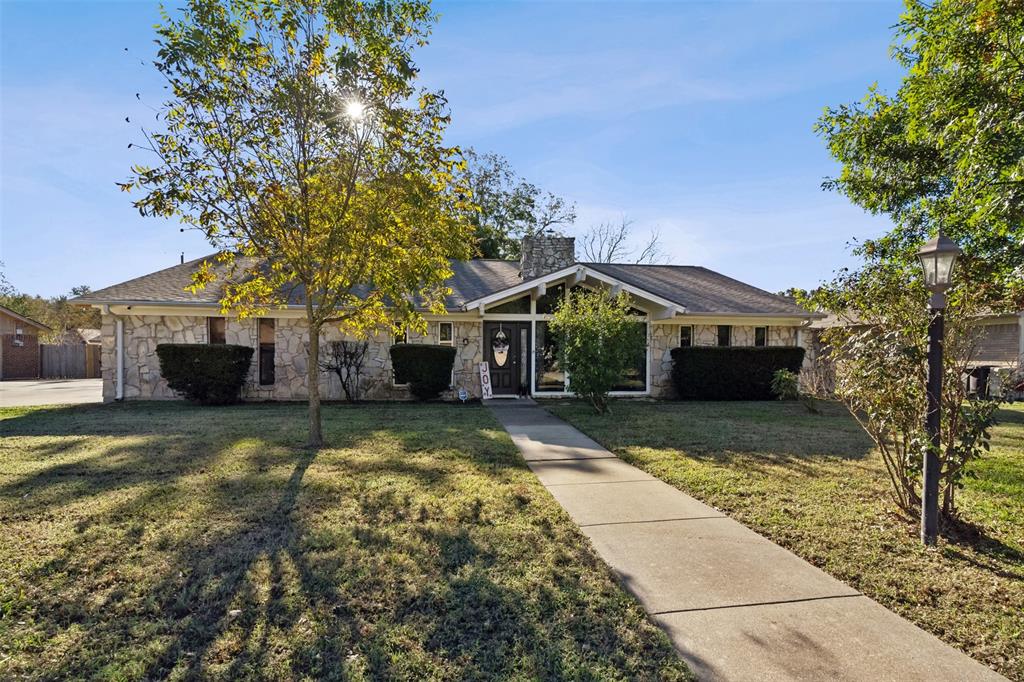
119,352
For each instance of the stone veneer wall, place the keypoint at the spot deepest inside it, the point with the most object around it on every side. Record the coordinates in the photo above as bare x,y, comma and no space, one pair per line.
665,337
142,367
143,333
541,254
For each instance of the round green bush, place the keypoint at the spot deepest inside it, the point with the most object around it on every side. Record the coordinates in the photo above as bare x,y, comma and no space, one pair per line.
205,374
426,368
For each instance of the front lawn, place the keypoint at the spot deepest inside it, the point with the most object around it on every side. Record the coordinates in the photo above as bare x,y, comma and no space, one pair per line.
813,483
160,540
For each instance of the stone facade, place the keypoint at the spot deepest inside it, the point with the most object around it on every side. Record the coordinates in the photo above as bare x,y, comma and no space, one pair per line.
542,253
142,366
142,333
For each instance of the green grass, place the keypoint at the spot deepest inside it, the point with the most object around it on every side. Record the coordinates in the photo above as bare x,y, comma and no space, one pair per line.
813,484
164,541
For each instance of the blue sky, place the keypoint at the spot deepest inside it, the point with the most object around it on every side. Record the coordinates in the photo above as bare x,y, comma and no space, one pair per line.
693,118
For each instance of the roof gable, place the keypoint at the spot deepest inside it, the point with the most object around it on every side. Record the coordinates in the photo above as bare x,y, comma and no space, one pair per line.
4,310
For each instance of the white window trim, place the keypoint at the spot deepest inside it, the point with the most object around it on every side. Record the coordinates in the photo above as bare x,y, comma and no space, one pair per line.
729,327
209,330
692,329
766,337
450,341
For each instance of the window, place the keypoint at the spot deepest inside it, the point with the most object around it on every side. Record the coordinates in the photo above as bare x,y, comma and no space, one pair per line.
724,335
635,376
19,336
550,377
217,327
445,337
518,306
686,336
266,358
760,336
401,337
549,302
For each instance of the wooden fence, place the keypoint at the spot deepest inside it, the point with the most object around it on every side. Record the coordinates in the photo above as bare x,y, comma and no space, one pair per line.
69,361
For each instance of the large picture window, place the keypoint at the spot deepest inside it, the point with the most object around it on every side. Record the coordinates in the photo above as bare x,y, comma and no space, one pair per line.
635,376
266,359
550,375
549,302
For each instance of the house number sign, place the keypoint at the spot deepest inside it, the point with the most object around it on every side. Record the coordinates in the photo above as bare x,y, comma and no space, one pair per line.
485,381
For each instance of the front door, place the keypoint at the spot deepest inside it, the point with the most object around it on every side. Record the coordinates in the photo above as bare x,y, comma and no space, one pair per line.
507,351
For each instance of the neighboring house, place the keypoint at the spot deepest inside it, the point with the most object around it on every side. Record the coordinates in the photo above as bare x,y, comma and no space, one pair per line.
498,312
92,337
19,345
998,348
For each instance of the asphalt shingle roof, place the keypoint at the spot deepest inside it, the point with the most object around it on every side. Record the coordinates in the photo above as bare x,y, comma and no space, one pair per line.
699,290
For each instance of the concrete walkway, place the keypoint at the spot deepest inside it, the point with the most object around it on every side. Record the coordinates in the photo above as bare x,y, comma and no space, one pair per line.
736,606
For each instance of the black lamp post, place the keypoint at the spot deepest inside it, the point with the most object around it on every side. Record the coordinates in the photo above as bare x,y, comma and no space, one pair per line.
937,259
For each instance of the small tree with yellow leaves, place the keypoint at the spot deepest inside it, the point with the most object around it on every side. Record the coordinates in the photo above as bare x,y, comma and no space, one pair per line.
297,141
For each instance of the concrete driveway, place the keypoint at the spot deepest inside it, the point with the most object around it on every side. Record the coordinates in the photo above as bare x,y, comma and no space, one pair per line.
50,392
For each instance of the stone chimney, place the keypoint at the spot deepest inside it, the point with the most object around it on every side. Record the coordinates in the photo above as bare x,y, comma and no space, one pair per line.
543,253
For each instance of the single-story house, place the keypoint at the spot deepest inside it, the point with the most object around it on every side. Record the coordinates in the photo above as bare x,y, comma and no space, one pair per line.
19,345
498,312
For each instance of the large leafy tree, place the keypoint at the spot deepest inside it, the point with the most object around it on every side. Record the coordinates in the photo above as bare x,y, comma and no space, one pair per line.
298,142
507,207
945,152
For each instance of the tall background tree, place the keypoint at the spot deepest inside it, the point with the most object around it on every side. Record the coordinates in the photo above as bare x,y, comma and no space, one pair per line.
612,242
945,152
507,207
55,312
297,141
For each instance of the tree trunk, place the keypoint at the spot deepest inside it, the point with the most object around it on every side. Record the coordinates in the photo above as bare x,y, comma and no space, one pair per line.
316,436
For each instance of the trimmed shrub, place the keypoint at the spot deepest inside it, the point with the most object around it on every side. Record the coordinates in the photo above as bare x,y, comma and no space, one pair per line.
729,372
426,368
205,374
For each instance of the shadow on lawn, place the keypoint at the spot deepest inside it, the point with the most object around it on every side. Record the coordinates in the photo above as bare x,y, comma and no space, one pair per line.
271,548
754,436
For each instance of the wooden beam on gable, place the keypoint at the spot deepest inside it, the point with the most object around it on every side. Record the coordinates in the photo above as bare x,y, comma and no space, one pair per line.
664,313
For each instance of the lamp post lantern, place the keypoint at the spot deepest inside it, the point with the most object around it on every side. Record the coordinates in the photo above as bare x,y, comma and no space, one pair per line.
937,259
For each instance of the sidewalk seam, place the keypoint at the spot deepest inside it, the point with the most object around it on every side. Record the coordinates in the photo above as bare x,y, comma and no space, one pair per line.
760,603
678,518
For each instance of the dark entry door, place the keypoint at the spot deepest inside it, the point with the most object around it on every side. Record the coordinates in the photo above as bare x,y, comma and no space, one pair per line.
507,351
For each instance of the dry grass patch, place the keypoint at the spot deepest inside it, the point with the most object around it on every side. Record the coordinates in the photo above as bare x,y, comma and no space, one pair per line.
165,541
